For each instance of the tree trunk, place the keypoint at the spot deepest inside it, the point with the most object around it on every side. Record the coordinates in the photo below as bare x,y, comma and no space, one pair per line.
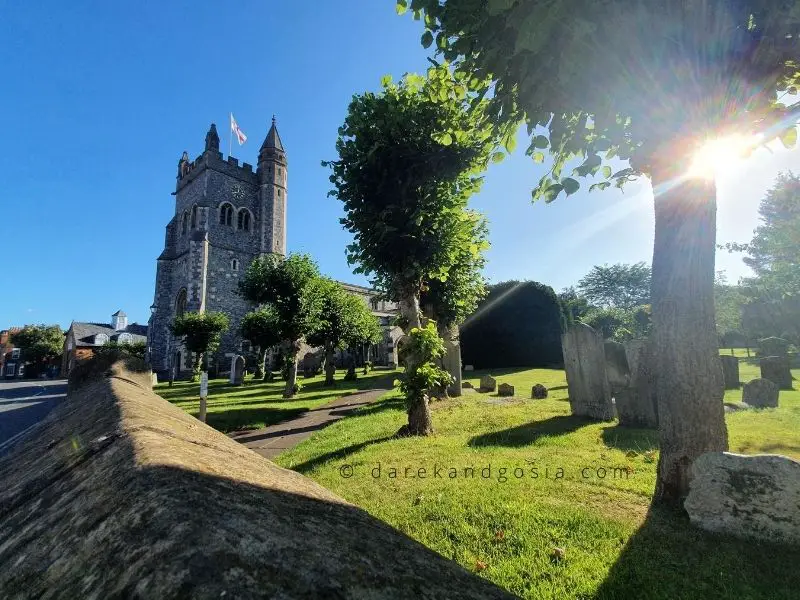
451,361
419,413
196,366
330,365
419,418
291,380
688,372
262,353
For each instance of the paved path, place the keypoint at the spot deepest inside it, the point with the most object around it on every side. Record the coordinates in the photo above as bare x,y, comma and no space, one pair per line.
272,440
25,403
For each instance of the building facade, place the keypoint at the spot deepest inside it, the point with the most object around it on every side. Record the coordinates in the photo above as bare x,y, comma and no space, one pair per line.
82,339
226,215
11,365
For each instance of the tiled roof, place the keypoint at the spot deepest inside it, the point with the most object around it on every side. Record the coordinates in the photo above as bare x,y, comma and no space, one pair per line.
85,332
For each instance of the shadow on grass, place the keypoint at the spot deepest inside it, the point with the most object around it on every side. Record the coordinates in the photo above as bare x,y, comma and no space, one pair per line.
311,464
250,418
629,438
522,435
667,558
379,407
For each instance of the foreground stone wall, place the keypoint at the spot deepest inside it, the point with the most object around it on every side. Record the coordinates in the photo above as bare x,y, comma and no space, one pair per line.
121,494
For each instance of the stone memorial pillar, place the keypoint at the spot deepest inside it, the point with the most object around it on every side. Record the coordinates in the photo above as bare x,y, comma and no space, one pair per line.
730,371
585,365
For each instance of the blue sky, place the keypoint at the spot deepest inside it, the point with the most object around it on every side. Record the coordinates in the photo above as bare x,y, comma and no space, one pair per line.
99,99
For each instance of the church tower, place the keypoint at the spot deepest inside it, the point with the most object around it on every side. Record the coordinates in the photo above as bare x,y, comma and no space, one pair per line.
226,215
272,178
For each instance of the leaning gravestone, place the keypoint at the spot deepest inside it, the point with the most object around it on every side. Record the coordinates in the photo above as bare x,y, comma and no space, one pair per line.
488,384
747,496
538,392
237,370
505,389
585,365
637,407
776,369
730,371
760,393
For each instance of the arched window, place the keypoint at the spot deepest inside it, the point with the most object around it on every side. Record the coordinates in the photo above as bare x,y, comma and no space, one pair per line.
180,303
184,222
244,220
235,264
226,214
100,339
125,338
194,217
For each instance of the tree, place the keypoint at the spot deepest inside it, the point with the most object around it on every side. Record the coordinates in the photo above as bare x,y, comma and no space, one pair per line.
449,302
290,287
619,285
648,83
408,163
345,321
201,333
573,305
136,349
262,328
728,302
620,324
38,344
517,324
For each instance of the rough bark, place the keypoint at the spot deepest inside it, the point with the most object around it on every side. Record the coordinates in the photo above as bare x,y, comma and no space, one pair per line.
262,354
196,366
330,366
451,361
688,373
291,380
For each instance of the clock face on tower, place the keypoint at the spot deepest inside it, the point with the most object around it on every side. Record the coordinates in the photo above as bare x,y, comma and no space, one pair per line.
237,193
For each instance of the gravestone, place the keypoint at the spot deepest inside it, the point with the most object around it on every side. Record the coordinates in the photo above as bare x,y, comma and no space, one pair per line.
466,384
760,393
585,365
469,368
730,371
773,346
237,370
746,496
488,384
538,392
776,369
636,405
505,389
617,370
153,379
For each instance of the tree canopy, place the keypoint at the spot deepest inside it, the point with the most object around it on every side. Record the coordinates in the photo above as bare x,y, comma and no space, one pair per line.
38,343
598,81
201,332
262,328
344,321
619,285
409,159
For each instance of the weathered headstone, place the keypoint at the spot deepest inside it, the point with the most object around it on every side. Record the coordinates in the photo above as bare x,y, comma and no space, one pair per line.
636,405
730,371
773,346
488,384
538,392
760,393
505,389
617,370
776,369
585,365
747,496
469,368
237,370
153,379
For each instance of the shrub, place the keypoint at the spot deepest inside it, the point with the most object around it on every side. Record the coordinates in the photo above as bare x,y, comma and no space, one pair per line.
518,324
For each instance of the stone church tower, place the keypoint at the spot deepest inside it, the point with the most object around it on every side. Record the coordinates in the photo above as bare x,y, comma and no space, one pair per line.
225,216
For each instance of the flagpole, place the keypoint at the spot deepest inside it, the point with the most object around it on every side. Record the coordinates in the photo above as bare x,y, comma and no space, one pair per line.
230,138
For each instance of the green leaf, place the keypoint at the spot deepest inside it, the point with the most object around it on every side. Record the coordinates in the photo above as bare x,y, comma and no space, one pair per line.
789,138
570,185
606,171
386,80
540,141
552,192
427,39
401,7
538,157
498,157
446,139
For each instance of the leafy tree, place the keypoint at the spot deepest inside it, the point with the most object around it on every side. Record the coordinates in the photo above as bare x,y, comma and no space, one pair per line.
647,83
449,302
408,162
619,285
573,304
620,324
38,344
201,333
517,324
728,302
345,321
137,349
262,329
290,287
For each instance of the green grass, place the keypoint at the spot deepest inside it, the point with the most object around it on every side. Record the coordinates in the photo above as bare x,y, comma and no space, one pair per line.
257,404
614,546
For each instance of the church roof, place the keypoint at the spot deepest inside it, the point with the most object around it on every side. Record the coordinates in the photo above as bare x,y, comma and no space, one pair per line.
84,332
273,139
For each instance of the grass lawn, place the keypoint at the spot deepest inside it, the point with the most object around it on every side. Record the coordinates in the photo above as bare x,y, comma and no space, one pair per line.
257,404
542,480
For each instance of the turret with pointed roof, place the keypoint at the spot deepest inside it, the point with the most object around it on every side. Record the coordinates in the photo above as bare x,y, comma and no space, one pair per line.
272,177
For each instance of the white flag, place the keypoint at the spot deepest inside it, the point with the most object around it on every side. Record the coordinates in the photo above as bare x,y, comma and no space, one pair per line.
240,136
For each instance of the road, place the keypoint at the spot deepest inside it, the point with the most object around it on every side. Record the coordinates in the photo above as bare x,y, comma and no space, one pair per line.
25,403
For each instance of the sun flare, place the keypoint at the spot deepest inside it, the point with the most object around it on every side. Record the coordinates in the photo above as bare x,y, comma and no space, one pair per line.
721,156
